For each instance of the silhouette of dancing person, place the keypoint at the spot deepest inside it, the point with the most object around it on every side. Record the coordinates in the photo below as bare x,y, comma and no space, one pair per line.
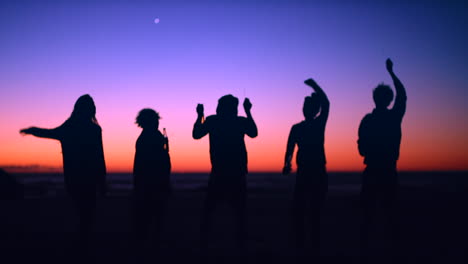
311,186
379,144
227,182
84,167
151,178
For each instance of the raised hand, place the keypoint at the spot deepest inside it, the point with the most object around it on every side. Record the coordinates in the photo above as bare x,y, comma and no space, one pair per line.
247,105
389,64
310,82
200,110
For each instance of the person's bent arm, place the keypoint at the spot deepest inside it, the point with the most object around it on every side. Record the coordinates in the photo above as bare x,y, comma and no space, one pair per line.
289,152
102,175
251,129
199,128
323,99
363,136
400,98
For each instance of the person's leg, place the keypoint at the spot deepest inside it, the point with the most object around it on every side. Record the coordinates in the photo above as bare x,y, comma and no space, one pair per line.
159,216
207,216
85,204
237,200
318,197
368,205
298,211
390,206
141,218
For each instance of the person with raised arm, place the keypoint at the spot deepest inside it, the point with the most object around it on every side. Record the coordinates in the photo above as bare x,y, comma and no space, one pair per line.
84,166
227,182
379,144
311,180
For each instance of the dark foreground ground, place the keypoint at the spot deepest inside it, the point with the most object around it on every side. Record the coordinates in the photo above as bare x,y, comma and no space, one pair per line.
433,220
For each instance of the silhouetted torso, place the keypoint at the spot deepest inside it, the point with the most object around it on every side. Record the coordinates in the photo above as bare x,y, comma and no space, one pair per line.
152,165
228,154
311,184
83,158
309,136
380,137
227,147
379,143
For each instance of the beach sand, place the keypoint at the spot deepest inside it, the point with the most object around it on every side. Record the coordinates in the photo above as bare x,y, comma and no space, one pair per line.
432,220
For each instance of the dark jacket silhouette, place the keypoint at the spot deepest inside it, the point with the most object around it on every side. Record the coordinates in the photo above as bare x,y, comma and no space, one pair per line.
312,180
379,144
151,172
152,165
228,156
309,135
84,167
82,151
380,131
226,130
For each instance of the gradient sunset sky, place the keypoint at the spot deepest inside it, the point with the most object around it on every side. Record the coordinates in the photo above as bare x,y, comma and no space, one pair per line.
52,52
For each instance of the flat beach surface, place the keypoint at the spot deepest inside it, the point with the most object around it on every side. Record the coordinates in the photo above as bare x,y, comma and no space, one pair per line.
432,220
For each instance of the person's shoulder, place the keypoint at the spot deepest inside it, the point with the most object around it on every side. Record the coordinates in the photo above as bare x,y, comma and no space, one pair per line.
367,117
299,125
211,118
140,139
159,136
96,127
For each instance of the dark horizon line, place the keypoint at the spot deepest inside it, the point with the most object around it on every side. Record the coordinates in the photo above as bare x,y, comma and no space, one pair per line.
251,172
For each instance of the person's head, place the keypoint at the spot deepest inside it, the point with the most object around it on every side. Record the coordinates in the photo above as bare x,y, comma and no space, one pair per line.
84,109
311,106
148,119
227,106
383,96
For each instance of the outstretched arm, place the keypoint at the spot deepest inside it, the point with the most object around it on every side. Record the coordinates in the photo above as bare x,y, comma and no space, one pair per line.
324,103
42,132
199,128
400,98
251,129
289,152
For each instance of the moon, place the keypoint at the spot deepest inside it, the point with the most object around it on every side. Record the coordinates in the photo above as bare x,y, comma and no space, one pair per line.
156,20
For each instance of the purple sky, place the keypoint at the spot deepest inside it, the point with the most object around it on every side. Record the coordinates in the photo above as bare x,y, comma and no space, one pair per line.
54,51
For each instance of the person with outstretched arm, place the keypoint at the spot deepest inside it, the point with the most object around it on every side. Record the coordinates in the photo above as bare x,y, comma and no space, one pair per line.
379,143
311,180
84,166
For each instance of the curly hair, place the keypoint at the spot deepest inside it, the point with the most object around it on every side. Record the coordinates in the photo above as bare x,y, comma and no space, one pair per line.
147,117
383,95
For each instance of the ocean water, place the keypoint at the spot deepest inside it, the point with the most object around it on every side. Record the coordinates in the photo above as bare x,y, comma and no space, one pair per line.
52,184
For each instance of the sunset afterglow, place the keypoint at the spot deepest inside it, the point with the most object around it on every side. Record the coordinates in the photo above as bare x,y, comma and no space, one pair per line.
171,56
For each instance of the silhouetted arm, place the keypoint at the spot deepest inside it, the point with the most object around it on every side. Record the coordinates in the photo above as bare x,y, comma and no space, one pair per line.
102,175
400,98
323,99
289,151
200,128
54,133
363,136
251,127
